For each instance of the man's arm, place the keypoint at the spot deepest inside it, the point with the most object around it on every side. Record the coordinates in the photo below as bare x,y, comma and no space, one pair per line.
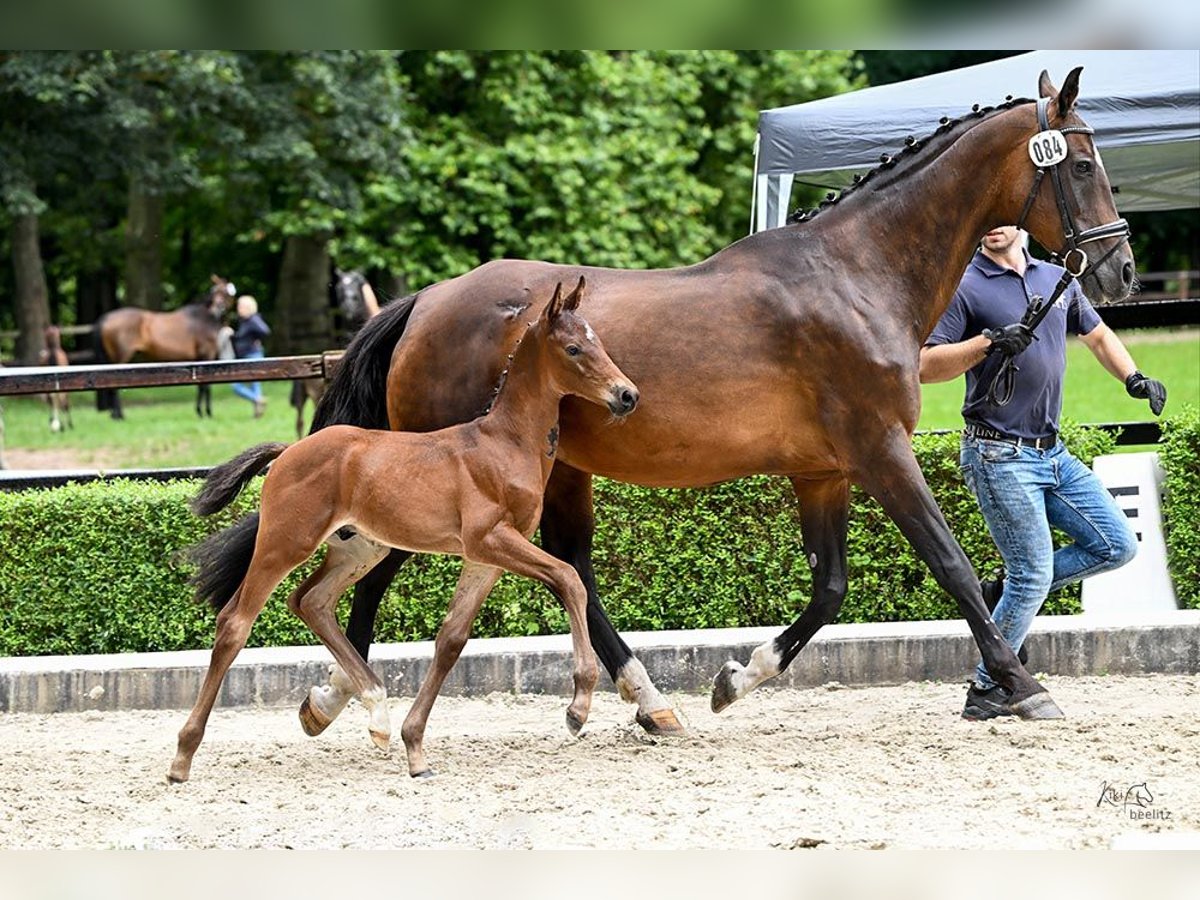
945,362
1111,352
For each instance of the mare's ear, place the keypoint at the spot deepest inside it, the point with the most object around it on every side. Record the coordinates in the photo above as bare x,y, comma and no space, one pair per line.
1046,87
555,306
573,298
216,279
1069,93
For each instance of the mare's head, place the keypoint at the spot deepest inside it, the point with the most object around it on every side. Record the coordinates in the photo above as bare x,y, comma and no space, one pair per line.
219,295
576,361
1065,149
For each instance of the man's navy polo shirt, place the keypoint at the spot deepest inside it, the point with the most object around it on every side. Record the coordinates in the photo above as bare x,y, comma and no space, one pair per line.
991,296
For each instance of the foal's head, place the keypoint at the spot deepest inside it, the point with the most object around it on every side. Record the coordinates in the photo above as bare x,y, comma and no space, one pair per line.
576,361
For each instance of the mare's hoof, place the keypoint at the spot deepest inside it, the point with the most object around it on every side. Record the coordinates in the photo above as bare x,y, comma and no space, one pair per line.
660,721
175,778
574,723
382,739
312,720
723,692
423,775
1039,706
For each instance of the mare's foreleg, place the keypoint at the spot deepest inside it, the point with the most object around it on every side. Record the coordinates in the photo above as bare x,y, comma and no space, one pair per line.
315,602
824,507
331,698
474,584
567,526
893,477
233,628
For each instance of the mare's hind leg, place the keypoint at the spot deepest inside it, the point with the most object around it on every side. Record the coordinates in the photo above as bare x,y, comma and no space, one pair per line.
233,628
568,523
893,477
315,602
474,584
823,524
331,698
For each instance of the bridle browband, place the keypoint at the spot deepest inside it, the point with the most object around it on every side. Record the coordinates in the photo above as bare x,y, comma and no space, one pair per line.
1071,251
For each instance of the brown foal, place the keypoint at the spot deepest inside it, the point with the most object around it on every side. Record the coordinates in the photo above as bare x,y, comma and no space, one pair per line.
473,490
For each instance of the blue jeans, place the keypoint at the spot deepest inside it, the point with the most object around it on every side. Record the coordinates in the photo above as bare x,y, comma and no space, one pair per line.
253,390
1022,492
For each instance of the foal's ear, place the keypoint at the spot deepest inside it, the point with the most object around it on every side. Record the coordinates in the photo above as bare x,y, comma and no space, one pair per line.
573,298
1070,92
555,306
1046,87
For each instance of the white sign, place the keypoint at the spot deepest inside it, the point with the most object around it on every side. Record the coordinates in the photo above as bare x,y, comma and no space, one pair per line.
1047,148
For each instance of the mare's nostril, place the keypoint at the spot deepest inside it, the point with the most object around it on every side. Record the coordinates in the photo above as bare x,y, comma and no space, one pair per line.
1127,274
628,399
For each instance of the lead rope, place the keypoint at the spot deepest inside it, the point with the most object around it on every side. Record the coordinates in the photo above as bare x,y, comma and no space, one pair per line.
1004,384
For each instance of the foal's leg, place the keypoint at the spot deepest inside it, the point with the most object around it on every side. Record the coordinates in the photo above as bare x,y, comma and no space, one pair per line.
233,628
315,602
568,523
891,475
474,584
331,698
823,523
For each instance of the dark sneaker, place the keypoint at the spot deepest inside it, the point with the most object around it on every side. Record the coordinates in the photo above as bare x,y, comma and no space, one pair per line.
992,591
986,704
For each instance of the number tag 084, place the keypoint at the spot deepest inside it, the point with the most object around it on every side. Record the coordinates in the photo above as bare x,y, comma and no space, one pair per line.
1048,148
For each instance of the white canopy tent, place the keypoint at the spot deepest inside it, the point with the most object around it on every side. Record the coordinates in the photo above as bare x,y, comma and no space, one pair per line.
1143,104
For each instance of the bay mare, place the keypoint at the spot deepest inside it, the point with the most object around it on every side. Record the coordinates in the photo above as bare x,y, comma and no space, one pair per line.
473,490
792,352
190,332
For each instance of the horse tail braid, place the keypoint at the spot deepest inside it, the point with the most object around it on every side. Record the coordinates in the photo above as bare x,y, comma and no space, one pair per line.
104,396
227,480
357,394
222,561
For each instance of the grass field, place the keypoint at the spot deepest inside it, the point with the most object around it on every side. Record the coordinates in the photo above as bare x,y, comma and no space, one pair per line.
161,427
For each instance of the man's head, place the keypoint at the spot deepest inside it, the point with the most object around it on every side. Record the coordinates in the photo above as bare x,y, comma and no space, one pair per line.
246,306
1003,240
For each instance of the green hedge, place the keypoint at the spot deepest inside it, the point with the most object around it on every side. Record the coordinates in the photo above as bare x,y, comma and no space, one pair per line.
1180,457
96,568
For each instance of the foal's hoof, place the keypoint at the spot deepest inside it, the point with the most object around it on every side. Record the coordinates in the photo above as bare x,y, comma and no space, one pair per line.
423,775
724,692
382,739
312,720
172,778
1039,706
574,723
660,721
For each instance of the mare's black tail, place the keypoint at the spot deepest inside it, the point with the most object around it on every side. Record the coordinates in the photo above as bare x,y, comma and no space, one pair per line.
105,397
357,395
222,561
227,480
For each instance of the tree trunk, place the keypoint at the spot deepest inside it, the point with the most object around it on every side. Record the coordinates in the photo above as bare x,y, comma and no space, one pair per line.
143,248
33,302
304,322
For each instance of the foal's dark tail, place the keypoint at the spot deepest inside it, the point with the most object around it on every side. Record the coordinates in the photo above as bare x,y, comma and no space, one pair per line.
227,480
357,395
104,396
222,561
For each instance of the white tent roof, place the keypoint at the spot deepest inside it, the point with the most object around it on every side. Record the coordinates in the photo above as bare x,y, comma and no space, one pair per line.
1144,105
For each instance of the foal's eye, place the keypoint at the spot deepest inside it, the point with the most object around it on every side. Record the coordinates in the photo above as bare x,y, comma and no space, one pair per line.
572,350
1083,167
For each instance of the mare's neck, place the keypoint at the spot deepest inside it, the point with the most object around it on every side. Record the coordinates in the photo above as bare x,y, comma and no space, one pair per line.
525,412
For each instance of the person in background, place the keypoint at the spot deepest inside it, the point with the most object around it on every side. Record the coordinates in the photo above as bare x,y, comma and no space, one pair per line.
1022,476
248,344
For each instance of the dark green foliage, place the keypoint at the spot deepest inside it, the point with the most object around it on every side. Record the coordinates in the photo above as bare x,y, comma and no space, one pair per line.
95,568
1180,457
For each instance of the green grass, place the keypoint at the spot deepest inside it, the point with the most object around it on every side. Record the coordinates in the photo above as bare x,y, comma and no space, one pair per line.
161,427
1090,393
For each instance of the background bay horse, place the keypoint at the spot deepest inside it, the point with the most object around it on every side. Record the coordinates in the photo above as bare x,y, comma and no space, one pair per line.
472,490
190,332
792,352
53,354
351,295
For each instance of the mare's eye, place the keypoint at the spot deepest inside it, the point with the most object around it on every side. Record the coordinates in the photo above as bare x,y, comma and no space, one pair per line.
1083,167
572,350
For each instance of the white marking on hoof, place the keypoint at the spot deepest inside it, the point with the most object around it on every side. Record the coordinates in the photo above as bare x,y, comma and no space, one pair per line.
380,725
764,663
330,699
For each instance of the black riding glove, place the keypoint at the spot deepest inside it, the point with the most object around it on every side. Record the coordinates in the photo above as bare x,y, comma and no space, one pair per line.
1009,340
1139,386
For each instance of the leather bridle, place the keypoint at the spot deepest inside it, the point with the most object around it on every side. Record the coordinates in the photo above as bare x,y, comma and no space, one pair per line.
1074,258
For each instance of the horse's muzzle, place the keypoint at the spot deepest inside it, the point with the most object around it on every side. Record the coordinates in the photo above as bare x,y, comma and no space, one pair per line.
623,400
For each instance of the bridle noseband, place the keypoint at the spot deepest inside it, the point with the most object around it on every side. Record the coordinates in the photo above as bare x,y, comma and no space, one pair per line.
1074,259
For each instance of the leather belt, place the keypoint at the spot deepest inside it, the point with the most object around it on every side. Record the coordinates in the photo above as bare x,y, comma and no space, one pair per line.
1045,442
